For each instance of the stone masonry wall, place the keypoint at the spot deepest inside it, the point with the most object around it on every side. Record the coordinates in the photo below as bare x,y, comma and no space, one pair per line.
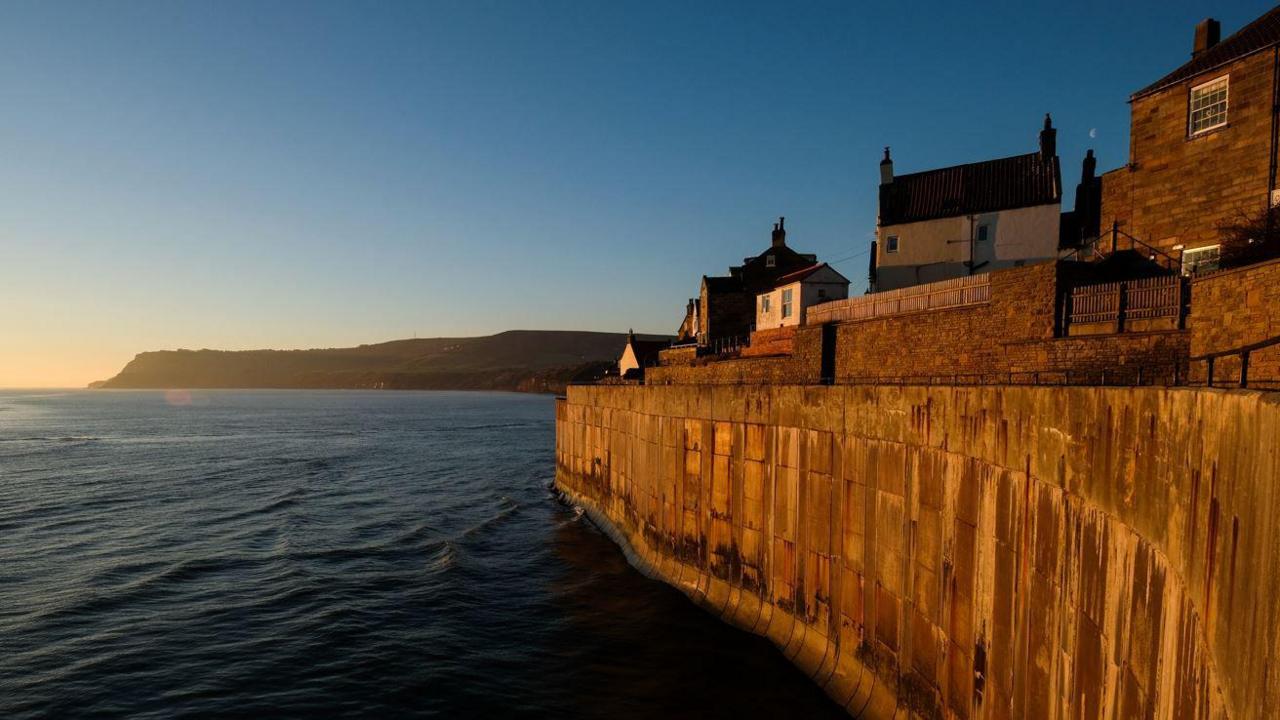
774,341
1013,333
1180,189
1237,307
947,552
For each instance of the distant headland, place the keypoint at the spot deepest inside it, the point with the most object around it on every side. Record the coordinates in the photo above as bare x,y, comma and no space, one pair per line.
522,360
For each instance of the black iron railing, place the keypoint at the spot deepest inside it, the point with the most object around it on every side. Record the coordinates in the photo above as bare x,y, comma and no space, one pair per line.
1116,240
1243,352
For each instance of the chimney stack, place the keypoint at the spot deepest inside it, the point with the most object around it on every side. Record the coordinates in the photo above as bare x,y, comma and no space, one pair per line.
1048,139
1088,208
780,232
1208,33
886,168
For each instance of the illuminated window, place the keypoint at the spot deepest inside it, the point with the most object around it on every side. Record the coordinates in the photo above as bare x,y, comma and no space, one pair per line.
1208,106
1201,260
786,303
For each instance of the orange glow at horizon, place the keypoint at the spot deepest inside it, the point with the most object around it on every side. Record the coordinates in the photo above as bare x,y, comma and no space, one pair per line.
49,368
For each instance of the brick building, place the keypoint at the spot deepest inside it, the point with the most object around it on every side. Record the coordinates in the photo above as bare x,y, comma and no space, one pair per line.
1202,145
726,305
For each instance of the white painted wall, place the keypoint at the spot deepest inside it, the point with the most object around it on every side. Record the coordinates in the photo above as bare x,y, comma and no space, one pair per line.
627,361
823,285
934,250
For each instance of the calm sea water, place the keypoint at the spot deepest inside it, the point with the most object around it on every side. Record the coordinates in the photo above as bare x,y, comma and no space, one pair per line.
322,554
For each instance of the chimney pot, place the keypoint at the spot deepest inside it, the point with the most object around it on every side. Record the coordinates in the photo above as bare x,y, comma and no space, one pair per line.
1208,33
886,168
779,233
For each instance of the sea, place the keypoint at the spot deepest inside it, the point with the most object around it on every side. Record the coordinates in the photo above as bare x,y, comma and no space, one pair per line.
298,554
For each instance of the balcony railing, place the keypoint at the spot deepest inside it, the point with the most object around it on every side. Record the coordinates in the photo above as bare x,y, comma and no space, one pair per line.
960,292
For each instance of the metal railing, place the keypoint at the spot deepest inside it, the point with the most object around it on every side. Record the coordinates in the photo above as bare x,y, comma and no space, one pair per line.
1243,352
1171,374
1116,240
959,292
724,345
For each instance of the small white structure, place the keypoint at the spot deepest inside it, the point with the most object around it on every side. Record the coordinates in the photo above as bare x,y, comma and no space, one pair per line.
967,219
639,354
785,303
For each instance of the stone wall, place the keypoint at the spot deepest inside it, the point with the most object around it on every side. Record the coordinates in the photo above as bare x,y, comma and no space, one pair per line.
961,341
726,314
945,552
1179,190
1237,307
710,371
774,341
679,355
1013,333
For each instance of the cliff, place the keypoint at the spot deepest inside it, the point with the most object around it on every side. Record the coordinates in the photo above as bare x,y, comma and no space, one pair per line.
526,360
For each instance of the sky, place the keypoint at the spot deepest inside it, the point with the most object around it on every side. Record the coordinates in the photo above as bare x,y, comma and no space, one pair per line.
242,175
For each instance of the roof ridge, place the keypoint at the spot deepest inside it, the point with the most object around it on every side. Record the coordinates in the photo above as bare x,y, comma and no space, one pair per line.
964,165
1223,52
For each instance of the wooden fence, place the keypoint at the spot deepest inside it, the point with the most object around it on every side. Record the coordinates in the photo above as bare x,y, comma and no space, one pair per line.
1148,298
960,292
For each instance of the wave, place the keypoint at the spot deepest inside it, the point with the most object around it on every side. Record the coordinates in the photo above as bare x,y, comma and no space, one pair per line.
54,438
106,600
509,508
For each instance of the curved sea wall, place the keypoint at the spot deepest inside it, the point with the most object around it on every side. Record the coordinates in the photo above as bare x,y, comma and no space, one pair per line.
960,552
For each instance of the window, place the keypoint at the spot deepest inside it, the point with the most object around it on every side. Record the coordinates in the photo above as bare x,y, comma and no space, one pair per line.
1208,106
984,233
891,244
1200,260
786,303
765,305
771,261
822,293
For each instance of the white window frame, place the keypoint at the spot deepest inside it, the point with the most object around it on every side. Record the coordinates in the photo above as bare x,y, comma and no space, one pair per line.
1190,265
1192,131
765,307
771,261
787,303
891,244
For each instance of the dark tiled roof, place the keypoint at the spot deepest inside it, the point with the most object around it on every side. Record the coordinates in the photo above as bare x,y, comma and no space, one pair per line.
722,283
1004,184
803,273
1257,35
648,349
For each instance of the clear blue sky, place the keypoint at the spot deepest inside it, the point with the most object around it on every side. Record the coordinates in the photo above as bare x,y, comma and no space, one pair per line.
274,174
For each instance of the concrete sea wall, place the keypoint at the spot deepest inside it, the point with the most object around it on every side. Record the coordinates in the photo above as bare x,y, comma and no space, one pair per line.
960,552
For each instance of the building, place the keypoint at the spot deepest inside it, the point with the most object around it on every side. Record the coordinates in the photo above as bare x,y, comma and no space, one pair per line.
688,332
638,355
1202,146
784,304
726,306
967,219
